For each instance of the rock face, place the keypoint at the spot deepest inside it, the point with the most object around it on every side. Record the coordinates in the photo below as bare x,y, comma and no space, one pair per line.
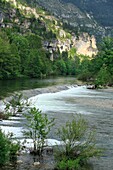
85,45
70,12
95,17
101,10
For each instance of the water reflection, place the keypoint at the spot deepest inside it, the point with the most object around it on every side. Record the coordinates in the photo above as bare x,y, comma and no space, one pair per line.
9,86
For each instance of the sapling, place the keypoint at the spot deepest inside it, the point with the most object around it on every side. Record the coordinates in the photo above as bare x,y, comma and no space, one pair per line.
38,126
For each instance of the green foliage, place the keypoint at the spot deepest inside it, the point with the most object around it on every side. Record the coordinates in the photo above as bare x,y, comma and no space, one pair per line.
103,77
23,50
34,41
8,149
99,68
15,105
9,59
38,127
102,69
61,67
84,68
79,145
14,148
4,149
72,52
22,56
68,164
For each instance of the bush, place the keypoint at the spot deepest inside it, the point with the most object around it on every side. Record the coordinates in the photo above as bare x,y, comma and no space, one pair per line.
103,77
38,127
15,105
68,164
79,145
8,149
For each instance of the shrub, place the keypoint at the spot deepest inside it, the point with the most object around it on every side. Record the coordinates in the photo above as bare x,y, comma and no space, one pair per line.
68,164
8,149
103,77
15,104
79,145
38,127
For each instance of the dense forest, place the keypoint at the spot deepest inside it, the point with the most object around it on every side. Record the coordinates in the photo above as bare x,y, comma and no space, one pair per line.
24,56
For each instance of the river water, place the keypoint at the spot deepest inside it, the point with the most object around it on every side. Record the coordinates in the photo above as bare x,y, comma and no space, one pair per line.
96,106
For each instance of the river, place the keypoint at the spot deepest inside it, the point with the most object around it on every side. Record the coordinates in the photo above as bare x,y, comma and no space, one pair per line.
96,106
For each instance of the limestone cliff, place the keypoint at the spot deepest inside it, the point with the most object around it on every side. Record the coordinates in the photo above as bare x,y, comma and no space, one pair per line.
85,45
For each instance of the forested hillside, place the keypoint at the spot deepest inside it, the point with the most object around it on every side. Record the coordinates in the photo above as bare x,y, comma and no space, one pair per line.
31,38
34,43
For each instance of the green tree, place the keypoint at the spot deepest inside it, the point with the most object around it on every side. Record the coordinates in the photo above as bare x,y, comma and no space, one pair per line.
83,69
61,67
34,41
9,58
22,45
103,77
35,63
103,59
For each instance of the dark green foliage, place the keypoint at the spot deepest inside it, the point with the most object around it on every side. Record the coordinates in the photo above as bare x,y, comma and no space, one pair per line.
103,77
34,41
22,56
8,149
61,67
9,58
79,145
4,149
83,69
102,69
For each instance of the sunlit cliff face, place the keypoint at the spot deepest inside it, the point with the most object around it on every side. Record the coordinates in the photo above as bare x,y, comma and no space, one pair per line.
86,47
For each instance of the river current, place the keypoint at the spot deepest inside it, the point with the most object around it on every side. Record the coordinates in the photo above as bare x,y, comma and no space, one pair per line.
96,106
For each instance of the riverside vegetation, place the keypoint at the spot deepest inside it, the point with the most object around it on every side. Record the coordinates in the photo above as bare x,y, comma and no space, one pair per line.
78,141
